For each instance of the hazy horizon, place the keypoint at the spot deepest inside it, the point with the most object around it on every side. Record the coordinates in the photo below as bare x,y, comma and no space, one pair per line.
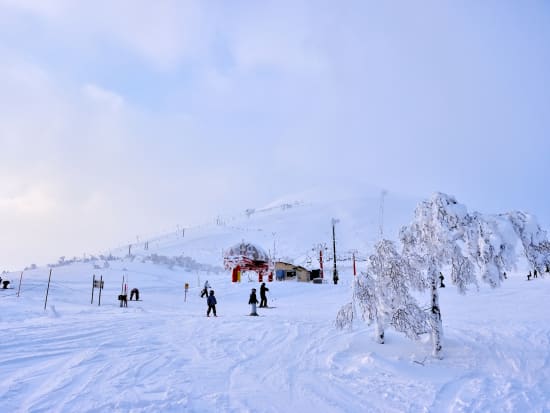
119,119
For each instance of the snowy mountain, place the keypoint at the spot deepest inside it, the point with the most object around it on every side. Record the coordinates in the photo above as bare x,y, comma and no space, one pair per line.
292,228
162,354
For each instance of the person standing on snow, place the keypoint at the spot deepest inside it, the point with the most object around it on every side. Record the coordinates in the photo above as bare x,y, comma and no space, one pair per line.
263,297
253,300
211,301
204,291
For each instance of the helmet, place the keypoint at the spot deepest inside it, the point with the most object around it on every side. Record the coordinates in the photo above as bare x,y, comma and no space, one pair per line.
211,292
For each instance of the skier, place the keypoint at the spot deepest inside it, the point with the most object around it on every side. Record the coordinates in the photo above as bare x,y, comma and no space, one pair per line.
204,291
529,276
134,292
211,301
441,278
123,298
263,297
253,300
5,284
535,273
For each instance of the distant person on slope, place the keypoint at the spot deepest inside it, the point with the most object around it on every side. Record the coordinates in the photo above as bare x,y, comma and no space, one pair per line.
134,293
263,297
211,301
204,291
253,300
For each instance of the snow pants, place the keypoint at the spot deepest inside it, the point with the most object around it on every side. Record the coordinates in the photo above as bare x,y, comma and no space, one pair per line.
211,307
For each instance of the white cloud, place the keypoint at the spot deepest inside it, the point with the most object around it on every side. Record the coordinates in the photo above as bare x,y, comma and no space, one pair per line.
36,202
278,37
163,33
103,96
44,8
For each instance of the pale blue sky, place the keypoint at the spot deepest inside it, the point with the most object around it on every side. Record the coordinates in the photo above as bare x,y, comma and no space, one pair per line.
120,118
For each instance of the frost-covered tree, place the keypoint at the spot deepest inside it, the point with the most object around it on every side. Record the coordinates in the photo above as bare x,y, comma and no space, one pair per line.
443,236
473,246
436,235
533,239
383,294
490,246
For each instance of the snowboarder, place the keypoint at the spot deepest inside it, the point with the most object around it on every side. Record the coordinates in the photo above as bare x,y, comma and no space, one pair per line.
204,291
211,301
135,292
253,300
263,296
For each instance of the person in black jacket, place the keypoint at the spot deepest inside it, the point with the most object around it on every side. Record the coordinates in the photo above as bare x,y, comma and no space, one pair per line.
211,301
263,297
253,300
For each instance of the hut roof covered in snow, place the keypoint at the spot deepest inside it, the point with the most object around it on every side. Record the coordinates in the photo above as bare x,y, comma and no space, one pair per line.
247,250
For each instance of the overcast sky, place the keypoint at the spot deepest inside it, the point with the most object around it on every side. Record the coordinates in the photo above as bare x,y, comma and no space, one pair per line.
128,117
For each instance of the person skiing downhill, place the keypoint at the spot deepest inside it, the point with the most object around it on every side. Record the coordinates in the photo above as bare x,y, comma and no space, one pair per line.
204,291
263,296
253,300
211,301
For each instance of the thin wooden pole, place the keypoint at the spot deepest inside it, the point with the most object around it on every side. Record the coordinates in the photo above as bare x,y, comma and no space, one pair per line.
48,290
20,279
100,288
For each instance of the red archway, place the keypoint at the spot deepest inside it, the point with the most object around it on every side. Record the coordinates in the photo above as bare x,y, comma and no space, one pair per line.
247,257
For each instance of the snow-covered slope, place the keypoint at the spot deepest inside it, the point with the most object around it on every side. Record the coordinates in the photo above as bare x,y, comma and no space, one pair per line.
291,228
163,355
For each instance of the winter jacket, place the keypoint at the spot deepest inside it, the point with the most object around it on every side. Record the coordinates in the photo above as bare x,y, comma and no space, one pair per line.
263,289
253,299
211,300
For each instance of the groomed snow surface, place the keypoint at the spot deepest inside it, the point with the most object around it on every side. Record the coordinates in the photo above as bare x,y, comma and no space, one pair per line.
163,355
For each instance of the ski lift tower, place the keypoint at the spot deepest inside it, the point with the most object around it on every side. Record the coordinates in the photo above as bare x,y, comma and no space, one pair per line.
381,213
335,271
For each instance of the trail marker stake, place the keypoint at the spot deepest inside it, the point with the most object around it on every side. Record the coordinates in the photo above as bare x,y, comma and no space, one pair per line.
47,290
20,278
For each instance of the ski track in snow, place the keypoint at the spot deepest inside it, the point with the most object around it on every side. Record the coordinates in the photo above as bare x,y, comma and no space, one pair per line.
164,355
